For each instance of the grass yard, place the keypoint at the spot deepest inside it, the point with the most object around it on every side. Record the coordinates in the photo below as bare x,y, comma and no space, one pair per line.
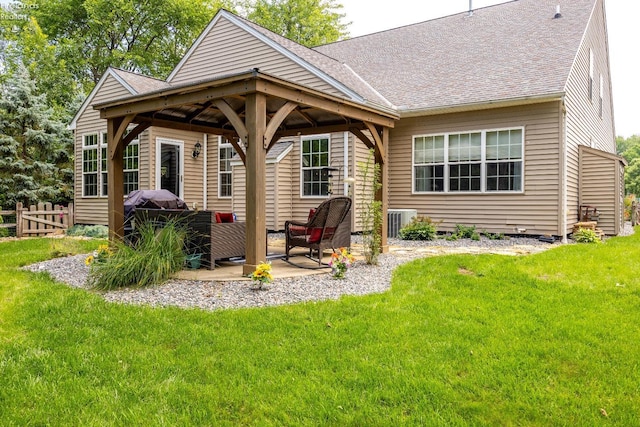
548,339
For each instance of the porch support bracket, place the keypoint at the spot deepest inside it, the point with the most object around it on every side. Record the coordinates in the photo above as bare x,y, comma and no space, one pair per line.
238,125
275,123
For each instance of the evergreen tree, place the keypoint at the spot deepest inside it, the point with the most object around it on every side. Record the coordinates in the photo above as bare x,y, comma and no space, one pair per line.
35,149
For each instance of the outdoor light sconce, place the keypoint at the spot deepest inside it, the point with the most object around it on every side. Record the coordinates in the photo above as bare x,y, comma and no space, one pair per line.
196,149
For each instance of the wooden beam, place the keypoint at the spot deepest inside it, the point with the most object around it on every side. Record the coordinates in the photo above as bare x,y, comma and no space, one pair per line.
119,132
317,130
184,126
276,121
135,132
197,112
115,178
161,102
362,137
377,138
325,104
307,117
256,182
233,118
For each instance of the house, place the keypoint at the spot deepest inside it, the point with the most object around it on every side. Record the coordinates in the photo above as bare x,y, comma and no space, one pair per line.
501,118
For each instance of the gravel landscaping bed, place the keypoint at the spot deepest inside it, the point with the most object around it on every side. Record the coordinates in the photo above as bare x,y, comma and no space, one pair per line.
361,279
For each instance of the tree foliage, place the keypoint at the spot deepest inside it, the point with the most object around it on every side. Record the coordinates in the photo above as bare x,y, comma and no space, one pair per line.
35,149
146,36
629,148
308,22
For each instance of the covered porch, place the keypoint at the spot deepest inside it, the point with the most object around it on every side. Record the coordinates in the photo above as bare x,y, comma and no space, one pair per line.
252,110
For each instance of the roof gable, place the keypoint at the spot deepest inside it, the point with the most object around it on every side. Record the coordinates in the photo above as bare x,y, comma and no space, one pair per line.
109,74
219,53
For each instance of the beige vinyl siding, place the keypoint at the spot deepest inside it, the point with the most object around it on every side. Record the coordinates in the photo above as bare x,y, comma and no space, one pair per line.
239,206
535,209
193,167
229,49
600,187
285,192
92,210
584,126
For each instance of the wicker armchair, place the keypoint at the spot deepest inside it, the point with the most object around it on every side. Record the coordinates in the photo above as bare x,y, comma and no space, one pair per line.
328,228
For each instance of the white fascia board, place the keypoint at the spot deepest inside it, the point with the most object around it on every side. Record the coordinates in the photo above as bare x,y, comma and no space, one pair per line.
92,94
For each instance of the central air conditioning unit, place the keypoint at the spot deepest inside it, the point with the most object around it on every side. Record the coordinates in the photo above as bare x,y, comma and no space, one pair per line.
398,218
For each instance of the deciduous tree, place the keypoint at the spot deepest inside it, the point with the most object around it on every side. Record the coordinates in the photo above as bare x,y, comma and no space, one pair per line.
308,22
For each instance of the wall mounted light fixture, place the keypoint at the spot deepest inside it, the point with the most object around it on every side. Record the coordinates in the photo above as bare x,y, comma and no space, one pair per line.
196,149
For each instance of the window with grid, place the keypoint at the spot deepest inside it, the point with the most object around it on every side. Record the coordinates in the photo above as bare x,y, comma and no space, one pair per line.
504,160
225,175
465,161
315,164
90,165
428,160
104,185
131,166
483,161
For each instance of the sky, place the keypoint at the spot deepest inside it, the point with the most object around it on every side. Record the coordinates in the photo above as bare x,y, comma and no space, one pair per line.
369,16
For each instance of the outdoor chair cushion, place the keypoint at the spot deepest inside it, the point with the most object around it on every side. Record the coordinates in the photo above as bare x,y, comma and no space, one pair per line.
224,217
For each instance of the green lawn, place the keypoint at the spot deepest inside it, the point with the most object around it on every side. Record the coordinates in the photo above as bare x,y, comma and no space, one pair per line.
549,339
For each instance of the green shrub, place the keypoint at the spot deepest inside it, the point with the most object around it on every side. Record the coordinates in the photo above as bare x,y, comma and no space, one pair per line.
95,231
156,255
465,232
420,228
584,235
493,236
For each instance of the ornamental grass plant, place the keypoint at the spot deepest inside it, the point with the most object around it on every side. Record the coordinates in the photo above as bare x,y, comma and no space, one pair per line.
157,253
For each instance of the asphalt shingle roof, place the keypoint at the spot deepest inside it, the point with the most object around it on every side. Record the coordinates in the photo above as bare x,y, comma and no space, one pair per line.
507,51
141,83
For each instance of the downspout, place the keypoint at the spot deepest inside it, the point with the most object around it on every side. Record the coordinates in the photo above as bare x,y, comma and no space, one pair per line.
563,172
205,143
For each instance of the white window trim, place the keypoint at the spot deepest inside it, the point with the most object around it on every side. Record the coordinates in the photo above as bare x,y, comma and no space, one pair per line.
83,173
601,99
159,141
483,163
102,144
221,145
302,139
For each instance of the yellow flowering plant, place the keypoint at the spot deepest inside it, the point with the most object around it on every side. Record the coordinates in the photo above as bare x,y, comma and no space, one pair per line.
340,262
262,275
99,255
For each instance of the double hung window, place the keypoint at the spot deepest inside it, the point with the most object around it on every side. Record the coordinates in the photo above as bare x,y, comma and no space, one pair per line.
225,176
315,164
484,161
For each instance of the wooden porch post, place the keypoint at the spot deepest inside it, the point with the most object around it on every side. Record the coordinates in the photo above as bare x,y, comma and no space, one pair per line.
383,194
256,232
115,180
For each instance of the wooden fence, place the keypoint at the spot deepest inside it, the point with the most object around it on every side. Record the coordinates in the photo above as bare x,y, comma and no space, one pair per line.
39,220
